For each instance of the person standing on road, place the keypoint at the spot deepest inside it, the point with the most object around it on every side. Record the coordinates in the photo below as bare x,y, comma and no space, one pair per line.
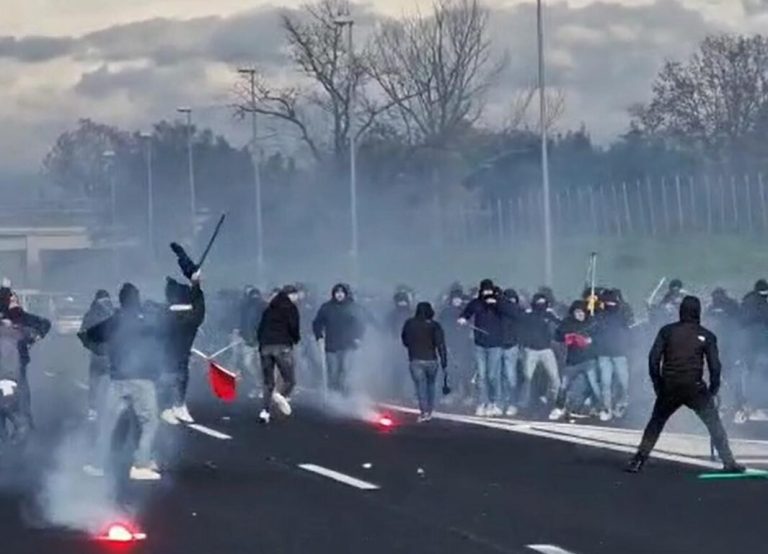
425,341
100,310
252,307
510,354
676,367
339,329
279,331
537,337
612,342
11,406
488,311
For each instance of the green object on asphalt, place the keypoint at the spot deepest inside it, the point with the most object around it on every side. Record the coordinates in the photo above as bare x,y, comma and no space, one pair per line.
749,474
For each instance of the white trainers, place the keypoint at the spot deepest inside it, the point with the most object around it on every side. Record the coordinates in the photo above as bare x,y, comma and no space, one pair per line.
144,474
495,411
92,415
741,417
556,414
264,416
169,416
282,403
481,410
511,411
93,471
605,415
182,414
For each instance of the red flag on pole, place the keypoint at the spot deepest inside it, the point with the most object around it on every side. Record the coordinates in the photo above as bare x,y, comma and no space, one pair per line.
223,382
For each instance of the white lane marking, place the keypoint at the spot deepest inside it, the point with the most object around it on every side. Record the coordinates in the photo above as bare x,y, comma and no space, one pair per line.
210,432
340,477
548,549
531,431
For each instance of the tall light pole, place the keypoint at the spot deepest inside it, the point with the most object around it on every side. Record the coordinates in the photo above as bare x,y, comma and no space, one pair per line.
256,161
544,150
345,20
109,162
147,137
191,164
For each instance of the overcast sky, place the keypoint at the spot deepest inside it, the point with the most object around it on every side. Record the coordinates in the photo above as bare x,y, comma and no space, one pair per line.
130,62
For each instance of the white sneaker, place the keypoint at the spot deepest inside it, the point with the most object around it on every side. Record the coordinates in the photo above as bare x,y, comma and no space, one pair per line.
556,414
92,415
264,416
144,474
282,403
182,414
421,419
93,471
495,411
741,417
481,410
511,411
153,466
169,416
605,415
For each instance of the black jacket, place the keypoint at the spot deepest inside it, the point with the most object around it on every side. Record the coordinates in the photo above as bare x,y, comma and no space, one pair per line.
10,357
340,324
135,339
251,310
576,354
612,333
424,338
754,311
537,329
489,320
680,349
37,328
185,316
98,312
280,323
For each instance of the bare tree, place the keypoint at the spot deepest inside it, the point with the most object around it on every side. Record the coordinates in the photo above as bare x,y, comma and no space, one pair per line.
522,113
435,70
716,100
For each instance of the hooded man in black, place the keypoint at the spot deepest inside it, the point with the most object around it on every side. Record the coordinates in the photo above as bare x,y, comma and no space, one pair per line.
186,312
339,328
612,343
425,341
100,310
537,335
11,404
676,368
136,343
251,308
488,312
510,354
458,342
279,331
754,341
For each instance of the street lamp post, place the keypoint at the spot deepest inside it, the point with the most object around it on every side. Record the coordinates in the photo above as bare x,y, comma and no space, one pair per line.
256,161
544,150
150,193
345,20
109,161
191,164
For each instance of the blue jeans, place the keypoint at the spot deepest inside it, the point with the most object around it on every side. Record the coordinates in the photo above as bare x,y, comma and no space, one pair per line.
579,380
424,375
488,361
611,366
509,357
337,365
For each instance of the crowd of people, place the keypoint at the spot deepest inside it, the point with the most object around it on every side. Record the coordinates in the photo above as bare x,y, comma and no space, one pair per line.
501,353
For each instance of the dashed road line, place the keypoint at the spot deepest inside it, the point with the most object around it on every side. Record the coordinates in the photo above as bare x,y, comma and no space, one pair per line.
210,432
340,477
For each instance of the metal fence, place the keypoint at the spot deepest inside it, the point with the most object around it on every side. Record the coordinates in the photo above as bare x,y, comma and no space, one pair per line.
654,207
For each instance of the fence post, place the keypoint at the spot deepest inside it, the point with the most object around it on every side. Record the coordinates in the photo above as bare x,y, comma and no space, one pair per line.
723,224
735,199
651,208
694,220
708,186
617,211
664,206
627,214
748,207
762,201
500,220
593,211
679,193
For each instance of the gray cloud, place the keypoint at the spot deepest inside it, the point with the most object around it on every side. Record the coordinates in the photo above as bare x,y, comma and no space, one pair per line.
755,6
35,49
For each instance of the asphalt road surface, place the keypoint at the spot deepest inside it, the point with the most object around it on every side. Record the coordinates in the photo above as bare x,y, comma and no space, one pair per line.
315,483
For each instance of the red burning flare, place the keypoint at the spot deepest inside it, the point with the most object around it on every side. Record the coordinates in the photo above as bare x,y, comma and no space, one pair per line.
386,422
122,533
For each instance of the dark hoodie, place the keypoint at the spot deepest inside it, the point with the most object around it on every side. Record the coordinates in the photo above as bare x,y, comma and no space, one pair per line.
100,310
489,310
539,324
134,337
680,349
424,337
570,325
339,323
186,312
280,324
252,308
754,313
510,326
612,336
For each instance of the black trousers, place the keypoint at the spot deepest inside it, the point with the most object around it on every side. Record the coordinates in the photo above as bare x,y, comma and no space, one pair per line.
697,398
280,357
